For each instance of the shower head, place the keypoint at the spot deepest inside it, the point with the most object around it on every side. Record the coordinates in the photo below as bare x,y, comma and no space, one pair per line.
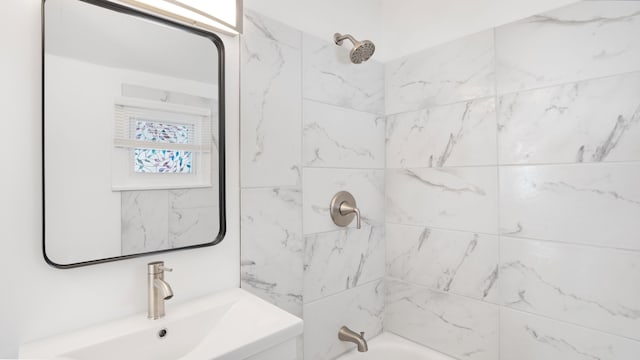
362,50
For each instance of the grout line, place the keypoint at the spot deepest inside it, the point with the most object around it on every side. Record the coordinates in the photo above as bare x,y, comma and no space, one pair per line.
342,107
498,197
566,83
521,238
429,288
341,292
343,168
499,95
434,106
301,183
558,164
507,308
296,187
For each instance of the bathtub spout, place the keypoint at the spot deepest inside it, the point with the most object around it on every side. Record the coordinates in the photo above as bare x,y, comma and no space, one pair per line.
346,334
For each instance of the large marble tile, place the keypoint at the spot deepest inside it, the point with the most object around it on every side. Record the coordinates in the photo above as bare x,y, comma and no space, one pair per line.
528,337
593,287
339,137
461,134
329,77
272,246
455,325
145,215
450,261
589,204
450,198
581,41
320,185
271,106
193,226
459,70
193,198
257,25
360,308
339,260
590,121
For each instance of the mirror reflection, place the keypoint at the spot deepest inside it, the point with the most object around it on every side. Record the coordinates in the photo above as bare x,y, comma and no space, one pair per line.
131,134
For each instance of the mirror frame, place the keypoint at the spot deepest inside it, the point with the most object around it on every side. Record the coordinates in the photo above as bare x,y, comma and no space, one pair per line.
221,130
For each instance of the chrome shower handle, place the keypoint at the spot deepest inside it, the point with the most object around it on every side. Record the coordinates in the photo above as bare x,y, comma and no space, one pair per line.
346,208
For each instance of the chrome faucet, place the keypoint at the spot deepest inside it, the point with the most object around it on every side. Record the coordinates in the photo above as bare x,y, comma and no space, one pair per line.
346,334
158,289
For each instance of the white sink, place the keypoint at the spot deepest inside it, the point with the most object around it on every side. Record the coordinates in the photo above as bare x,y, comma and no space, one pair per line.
232,324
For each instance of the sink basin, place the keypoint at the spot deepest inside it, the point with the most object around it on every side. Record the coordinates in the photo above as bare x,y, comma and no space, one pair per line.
233,324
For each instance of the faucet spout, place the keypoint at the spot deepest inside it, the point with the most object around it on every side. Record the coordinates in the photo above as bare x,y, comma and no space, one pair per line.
164,290
158,289
346,334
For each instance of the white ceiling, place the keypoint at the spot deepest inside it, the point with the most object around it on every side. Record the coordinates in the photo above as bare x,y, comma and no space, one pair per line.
400,27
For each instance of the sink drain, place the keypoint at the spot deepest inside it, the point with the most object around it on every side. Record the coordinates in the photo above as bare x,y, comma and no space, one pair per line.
162,333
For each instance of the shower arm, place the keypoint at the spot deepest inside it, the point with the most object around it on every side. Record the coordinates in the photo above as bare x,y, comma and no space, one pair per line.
339,38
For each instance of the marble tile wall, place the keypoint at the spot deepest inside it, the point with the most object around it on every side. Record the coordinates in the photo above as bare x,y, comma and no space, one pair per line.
343,149
272,243
312,124
512,193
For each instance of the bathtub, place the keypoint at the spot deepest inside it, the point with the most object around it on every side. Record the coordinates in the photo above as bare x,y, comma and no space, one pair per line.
387,346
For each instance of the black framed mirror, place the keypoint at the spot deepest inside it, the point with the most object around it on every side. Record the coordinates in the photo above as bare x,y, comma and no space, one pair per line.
133,134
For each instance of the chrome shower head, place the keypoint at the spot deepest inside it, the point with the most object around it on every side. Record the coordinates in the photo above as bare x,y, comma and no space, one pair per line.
362,50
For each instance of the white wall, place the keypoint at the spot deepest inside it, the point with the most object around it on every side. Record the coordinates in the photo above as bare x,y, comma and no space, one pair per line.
399,27
37,300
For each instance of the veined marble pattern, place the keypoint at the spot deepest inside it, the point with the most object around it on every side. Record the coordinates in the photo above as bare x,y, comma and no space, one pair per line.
360,308
589,204
450,261
259,26
457,326
329,77
452,135
591,121
272,246
271,104
333,137
528,337
450,198
339,260
193,198
193,226
459,70
593,287
320,185
581,41
145,215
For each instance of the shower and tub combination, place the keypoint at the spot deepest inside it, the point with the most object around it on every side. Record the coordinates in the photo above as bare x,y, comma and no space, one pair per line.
489,173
